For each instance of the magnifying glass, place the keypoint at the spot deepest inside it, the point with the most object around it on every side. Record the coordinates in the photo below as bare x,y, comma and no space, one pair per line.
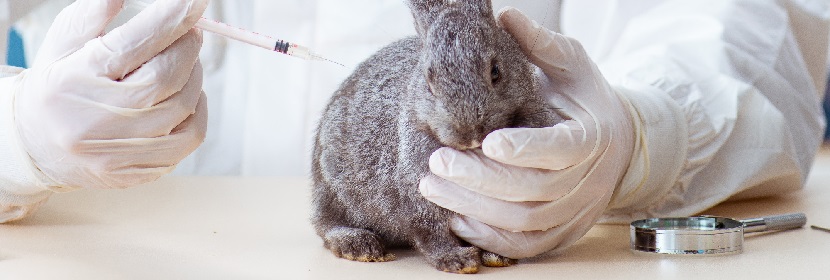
704,234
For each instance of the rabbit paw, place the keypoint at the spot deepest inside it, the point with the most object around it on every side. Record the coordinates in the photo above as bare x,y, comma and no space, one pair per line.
357,245
462,260
491,259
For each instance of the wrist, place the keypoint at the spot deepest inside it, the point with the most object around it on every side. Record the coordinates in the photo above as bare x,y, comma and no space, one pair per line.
660,147
18,174
15,207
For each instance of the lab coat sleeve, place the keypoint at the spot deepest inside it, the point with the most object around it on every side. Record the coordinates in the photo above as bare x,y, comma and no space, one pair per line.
727,98
21,190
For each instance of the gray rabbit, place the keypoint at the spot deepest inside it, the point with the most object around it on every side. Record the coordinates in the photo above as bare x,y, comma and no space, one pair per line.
461,78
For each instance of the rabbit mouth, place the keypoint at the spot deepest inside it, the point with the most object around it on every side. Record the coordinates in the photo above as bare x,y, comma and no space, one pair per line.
473,144
459,139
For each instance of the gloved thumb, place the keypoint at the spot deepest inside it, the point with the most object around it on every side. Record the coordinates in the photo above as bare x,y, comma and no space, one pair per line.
553,148
558,56
79,23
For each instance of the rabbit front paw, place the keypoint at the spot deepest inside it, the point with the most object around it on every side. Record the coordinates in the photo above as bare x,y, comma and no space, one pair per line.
491,259
462,260
356,244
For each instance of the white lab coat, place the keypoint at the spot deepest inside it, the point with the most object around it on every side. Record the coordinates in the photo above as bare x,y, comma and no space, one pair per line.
730,92
734,112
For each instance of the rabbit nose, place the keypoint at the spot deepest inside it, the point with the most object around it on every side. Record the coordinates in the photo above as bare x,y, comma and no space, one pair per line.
474,137
466,137
467,145
467,140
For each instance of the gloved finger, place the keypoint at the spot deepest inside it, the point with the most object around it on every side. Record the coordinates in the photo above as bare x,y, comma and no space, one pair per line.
191,132
512,216
516,245
104,121
523,244
99,175
558,56
488,177
77,24
148,33
169,150
165,117
120,166
561,146
159,78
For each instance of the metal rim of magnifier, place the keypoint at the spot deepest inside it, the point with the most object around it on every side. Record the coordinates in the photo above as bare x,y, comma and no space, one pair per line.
705,234
687,236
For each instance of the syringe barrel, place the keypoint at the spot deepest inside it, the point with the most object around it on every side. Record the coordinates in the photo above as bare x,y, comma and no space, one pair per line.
235,33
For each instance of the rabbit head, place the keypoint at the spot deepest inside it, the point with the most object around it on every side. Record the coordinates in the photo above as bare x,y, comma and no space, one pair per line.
472,75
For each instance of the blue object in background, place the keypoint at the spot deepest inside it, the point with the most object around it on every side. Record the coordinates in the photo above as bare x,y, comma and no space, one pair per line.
15,56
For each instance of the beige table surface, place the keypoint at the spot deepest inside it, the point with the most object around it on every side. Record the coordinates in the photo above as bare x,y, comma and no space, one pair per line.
258,228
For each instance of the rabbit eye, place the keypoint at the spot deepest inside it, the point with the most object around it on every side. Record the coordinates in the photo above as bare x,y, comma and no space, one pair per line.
495,74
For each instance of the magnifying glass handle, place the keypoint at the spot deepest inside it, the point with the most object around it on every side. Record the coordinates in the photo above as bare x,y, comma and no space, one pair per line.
778,222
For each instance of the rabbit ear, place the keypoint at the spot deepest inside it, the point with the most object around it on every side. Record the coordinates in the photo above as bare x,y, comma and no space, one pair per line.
425,12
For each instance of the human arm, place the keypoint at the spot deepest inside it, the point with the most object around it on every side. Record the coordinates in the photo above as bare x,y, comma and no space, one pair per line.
745,85
103,111
688,153
536,189
18,196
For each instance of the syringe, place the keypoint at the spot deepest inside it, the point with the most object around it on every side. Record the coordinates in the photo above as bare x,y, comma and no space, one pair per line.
245,36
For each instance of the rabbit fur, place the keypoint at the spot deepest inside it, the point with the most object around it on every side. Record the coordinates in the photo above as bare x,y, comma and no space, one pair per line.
459,79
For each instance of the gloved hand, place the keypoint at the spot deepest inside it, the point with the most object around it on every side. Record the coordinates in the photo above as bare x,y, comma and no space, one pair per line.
113,110
532,190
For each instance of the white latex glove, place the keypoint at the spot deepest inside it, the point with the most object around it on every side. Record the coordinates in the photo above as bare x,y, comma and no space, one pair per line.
538,189
118,109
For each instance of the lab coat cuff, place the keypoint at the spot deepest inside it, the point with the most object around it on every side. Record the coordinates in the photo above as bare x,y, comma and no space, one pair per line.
19,177
16,206
660,148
